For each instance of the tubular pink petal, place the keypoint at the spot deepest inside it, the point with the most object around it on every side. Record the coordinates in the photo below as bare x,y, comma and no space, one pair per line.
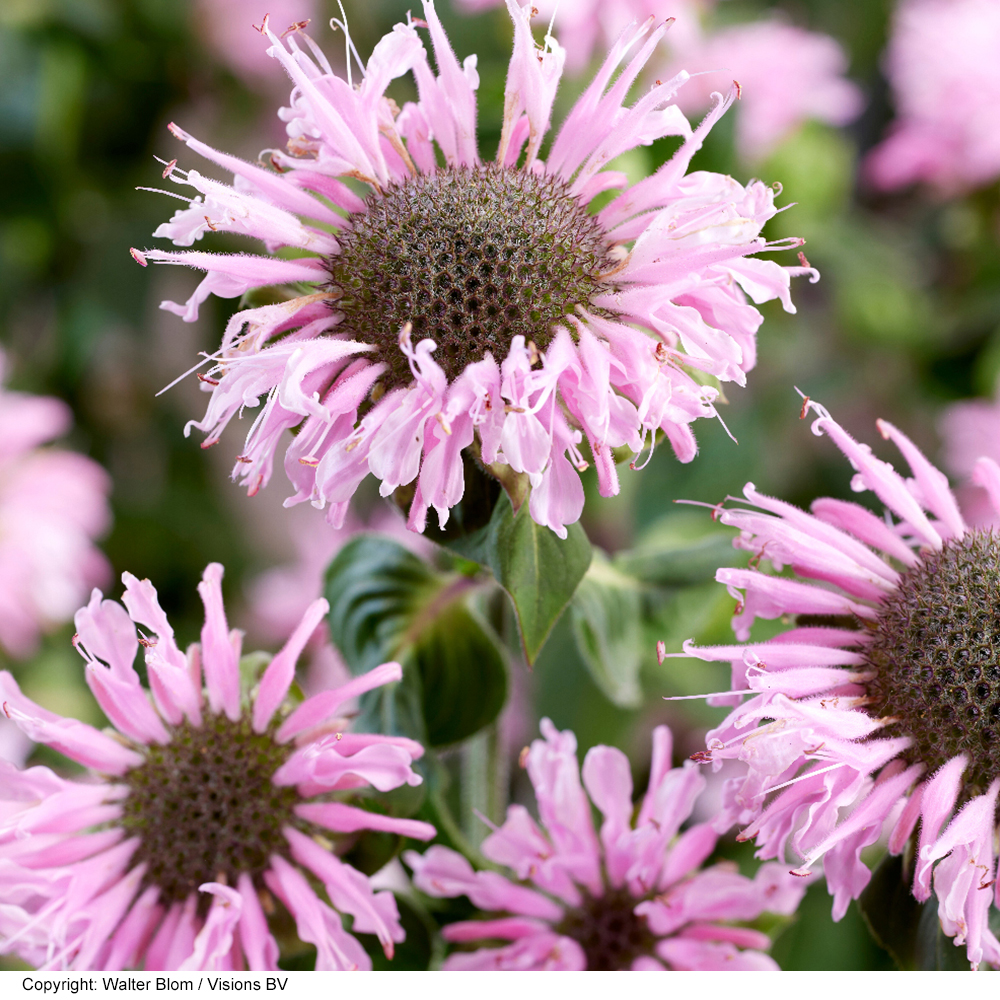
933,484
259,947
214,942
863,524
881,479
940,793
532,79
133,933
505,928
220,660
349,891
280,671
457,85
76,740
316,710
315,922
343,818
273,186
319,767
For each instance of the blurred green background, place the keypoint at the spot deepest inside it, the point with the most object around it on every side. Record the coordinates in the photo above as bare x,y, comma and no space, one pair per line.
905,320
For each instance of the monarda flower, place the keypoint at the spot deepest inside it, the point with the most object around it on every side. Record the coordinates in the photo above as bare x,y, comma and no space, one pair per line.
633,896
53,503
945,78
456,306
193,836
881,706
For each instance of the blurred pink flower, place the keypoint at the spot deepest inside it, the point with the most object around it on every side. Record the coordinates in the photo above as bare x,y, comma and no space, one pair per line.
881,707
787,76
53,503
945,77
473,303
228,28
159,858
970,430
630,897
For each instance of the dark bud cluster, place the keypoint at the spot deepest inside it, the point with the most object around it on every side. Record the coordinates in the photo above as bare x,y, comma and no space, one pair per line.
937,651
204,806
471,257
608,930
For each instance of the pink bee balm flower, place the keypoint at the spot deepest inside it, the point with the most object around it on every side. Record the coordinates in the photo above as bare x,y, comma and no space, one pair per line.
53,504
194,827
633,896
787,76
881,707
945,77
457,304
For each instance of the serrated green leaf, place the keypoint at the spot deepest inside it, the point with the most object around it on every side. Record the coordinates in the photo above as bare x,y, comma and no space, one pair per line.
910,931
387,604
539,570
606,614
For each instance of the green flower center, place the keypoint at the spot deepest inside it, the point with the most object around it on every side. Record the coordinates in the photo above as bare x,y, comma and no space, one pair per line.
471,257
937,652
608,930
204,805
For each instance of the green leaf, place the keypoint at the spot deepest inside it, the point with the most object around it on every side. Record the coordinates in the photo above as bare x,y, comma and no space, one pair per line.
375,587
910,931
606,613
680,549
387,604
539,570
463,674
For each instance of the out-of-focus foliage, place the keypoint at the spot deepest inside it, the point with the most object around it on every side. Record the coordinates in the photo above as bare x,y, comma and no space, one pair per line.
905,319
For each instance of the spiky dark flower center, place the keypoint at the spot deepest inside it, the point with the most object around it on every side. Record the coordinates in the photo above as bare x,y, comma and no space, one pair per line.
608,930
471,257
204,806
937,652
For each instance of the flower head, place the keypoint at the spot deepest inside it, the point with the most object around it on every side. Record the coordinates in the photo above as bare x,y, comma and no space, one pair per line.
53,504
941,63
193,830
456,310
633,896
881,707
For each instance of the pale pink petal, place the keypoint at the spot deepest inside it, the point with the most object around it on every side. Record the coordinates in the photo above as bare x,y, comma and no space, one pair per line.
259,947
214,942
220,660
